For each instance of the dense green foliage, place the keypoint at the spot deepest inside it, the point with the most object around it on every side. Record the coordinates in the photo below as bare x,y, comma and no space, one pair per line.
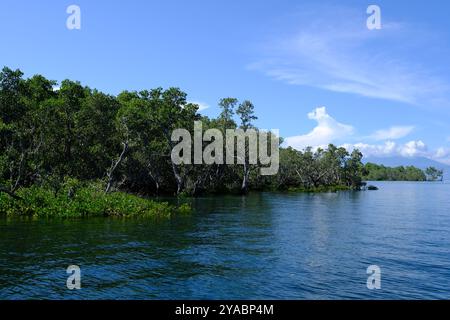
374,172
75,200
75,151
48,136
434,174
330,169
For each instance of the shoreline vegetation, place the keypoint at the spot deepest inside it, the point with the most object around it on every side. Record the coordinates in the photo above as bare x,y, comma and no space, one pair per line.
374,172
77,200
73,151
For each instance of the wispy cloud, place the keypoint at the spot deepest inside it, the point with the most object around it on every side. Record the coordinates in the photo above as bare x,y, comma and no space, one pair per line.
335,51
393,133
201,105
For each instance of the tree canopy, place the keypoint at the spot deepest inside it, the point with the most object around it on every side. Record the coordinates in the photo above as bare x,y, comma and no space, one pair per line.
374,172
48,134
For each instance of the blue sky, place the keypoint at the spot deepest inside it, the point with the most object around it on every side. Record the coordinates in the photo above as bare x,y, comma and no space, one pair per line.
312,68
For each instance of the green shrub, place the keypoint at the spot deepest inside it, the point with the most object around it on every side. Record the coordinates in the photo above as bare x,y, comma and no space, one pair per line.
75,200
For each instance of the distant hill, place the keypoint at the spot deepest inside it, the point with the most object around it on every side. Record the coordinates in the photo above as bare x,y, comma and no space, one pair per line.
419,162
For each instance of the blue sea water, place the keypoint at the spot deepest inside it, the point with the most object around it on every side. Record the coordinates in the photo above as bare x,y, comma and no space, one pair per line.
263,246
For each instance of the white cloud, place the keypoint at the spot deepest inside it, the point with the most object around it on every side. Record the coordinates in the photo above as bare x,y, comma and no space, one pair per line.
386,149
408,150
413,149
442,153
393,133
390,148
327,131
333,51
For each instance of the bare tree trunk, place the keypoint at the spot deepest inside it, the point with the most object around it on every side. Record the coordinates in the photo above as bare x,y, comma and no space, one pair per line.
155,177
244,187
114,165
19,173
300,176
178,178
201,180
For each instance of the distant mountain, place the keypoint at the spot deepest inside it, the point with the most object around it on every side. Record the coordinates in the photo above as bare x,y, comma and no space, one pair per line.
419,162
